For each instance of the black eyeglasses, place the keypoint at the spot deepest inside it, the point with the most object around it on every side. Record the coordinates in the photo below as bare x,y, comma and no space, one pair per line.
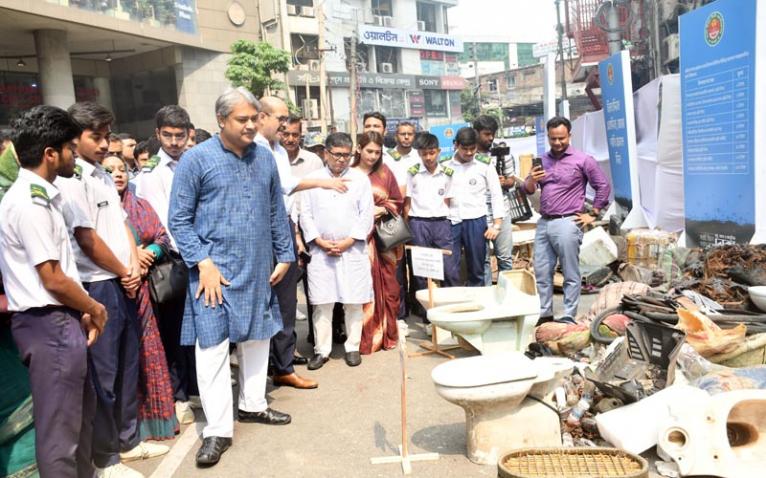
339,155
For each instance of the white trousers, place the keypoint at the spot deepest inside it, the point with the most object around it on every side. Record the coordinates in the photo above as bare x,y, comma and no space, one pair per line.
323,328
214,380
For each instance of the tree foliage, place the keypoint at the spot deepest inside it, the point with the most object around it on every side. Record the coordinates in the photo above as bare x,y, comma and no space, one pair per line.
470,104
252,65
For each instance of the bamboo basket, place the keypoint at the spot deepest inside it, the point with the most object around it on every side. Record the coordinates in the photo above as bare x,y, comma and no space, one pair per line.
572,463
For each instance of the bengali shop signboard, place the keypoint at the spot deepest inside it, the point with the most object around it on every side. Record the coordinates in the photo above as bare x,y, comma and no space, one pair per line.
394,37
723,159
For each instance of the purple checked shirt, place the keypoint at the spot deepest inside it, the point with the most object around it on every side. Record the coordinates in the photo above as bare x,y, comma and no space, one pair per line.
563,187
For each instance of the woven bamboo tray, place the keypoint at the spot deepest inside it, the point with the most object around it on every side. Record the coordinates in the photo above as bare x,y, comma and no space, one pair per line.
572,463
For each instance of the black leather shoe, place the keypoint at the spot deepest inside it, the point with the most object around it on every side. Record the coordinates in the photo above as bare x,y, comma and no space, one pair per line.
317,361
269,417
353,359
298,360
544,320
211,450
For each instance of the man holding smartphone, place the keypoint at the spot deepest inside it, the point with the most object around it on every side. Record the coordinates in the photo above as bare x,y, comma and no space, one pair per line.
562,175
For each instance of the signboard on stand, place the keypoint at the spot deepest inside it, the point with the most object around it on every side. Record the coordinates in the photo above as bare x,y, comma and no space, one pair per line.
724,165
619,118
427,263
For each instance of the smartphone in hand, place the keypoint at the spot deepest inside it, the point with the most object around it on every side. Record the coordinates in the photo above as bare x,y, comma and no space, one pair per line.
537,163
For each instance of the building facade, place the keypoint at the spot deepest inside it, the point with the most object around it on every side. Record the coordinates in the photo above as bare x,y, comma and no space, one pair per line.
133,56
406,61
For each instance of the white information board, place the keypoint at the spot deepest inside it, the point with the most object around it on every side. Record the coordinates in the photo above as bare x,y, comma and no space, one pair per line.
427,262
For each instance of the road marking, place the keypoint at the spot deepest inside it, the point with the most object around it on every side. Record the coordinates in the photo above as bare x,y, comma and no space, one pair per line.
175,457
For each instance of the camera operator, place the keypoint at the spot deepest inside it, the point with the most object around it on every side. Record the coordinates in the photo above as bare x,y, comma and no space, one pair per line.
486,126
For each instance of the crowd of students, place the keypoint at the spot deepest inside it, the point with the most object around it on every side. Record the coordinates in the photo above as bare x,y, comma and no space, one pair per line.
246,213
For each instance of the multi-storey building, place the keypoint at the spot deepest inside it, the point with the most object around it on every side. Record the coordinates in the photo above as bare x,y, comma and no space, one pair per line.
406,60
131,55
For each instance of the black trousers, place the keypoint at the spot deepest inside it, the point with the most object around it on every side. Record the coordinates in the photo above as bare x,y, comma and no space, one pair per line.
282,347
53,346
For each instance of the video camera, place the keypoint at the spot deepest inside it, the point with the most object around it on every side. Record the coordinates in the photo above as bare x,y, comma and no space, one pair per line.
500,152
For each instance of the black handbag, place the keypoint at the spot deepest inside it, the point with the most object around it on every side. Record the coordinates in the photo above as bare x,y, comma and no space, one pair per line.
168,279
392,231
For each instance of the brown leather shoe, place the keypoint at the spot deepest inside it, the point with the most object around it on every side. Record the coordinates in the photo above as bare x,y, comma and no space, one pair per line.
294,380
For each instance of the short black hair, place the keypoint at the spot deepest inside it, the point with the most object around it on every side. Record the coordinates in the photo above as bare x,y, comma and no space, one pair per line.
91,115
114,137
201,135
466,136
376,115
124,136
338,140
151,146
295,119
557,121
39,128
486,123
173,116
426,141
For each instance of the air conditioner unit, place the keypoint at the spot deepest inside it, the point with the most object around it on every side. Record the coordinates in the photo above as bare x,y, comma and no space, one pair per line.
388,21
377,20
386,68
307,11
421,26
671,48
314,65
311,109
301,67
292,10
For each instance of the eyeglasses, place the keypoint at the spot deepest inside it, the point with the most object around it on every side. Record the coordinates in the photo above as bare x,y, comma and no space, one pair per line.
339,155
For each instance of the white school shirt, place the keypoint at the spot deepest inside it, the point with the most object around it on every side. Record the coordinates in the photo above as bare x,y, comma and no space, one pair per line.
399,163
154,185
427,191
469,188
32,231
90,200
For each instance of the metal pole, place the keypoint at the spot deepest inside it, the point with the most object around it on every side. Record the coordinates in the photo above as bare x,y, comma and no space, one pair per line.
613,34
322,74
352,83
560,31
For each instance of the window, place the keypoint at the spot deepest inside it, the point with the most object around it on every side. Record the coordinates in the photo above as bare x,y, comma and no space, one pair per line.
427,15
383,8
492,85
362,55
436,102
305,48
301,3
392,103
387,55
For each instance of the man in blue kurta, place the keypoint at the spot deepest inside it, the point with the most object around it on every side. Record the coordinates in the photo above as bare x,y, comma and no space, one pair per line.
229,222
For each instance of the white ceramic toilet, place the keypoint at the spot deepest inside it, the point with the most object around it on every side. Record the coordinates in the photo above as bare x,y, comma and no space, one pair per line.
493,319
495,391
722,435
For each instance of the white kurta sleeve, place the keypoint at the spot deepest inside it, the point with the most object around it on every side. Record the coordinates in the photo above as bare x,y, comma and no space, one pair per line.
306,217
366,213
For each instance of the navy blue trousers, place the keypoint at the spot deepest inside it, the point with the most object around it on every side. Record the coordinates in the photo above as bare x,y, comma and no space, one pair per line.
468,235
53,346
115,362
436,233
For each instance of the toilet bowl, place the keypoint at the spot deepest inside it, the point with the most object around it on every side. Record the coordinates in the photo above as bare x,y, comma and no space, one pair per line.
722,435
501,395
493,319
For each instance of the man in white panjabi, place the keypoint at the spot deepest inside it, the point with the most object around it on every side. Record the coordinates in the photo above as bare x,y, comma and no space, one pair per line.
336,227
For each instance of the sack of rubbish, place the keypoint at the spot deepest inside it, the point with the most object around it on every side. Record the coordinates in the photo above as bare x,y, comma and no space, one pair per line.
714,378
707,338
563,339
611,296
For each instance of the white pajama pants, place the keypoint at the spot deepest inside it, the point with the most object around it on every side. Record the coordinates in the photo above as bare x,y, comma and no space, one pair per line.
323,328
214,380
